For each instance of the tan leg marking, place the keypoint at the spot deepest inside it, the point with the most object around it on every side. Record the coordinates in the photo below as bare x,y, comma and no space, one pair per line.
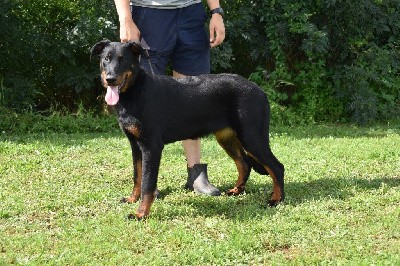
145,205
137,184
229,141
277,192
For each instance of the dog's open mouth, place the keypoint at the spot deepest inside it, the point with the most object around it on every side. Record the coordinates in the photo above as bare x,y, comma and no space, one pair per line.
112,95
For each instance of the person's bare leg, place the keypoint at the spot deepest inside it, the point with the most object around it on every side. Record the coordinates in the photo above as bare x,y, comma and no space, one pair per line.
197,172
192,148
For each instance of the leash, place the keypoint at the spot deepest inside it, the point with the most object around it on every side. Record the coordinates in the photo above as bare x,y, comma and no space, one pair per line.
149,61
146,49
147,55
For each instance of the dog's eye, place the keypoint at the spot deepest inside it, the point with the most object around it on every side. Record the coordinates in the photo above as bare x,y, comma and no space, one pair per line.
107,58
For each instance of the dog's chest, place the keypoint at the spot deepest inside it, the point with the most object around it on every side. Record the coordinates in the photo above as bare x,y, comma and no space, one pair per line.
129,124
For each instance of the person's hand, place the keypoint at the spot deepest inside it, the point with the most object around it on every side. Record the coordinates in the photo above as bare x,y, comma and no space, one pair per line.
128,31
217,30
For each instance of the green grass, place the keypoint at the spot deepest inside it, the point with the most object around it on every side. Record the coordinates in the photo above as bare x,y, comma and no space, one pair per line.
60,194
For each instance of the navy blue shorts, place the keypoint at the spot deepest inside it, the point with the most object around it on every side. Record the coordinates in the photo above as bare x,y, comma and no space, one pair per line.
175,35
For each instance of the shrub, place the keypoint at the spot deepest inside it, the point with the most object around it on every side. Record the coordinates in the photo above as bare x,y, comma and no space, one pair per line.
45,51
324,60
333,59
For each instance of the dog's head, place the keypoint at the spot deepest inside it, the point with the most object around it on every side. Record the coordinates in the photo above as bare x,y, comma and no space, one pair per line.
119,66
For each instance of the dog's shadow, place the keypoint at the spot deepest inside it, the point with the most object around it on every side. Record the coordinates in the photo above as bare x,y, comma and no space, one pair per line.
254,202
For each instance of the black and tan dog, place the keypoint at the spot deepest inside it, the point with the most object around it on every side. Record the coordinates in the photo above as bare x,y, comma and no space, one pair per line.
156,110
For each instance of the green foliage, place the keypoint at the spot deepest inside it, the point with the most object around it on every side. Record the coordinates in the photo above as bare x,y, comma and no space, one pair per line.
371,86
324,60
19,97
44,51
334,59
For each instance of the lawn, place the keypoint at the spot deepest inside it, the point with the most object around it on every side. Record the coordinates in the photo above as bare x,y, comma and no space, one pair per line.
60,195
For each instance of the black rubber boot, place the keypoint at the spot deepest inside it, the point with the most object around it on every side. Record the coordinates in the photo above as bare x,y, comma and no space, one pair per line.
198,181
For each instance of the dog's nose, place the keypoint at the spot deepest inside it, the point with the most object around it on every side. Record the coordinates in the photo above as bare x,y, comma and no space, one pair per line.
111,80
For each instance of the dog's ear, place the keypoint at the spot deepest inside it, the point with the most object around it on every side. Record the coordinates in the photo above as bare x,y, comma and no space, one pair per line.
138,49
98,48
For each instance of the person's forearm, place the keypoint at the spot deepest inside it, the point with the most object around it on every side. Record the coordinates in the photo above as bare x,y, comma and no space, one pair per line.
213,4
123,9
128,30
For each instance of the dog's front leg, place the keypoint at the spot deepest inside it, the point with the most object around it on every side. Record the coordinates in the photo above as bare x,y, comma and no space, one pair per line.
151,162
137,172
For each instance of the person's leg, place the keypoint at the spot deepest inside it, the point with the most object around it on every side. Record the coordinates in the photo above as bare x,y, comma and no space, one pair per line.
159,32
191,57
192,147
197,172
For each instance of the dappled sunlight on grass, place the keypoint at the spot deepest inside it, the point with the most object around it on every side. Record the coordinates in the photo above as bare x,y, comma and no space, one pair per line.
60,202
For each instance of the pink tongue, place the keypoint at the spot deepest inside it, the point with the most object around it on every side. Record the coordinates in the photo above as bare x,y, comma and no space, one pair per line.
112,96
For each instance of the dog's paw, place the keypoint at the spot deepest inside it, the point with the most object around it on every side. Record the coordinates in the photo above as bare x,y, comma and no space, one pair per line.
235,191
276,199
137,217
273,203
129,199
131,217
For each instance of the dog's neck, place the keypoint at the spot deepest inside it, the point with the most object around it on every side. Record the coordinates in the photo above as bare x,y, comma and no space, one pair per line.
135,73
134,87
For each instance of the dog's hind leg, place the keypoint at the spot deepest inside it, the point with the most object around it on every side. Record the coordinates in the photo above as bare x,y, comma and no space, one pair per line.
256,166
229,141
276,170
262,154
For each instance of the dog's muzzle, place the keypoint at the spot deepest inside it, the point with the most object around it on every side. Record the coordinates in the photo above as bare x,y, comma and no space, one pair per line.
112,95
